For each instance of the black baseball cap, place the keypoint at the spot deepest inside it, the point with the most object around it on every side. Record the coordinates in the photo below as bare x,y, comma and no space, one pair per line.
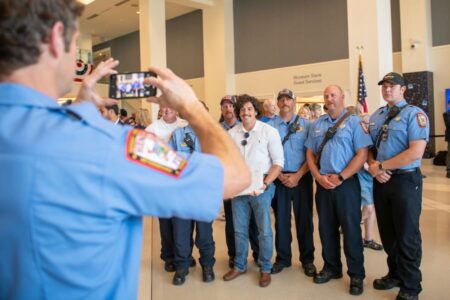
229,98
393,78
285,92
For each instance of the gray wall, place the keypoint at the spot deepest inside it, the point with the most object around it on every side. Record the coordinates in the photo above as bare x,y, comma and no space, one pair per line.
440,19
272,34
396,29
126,50
185,45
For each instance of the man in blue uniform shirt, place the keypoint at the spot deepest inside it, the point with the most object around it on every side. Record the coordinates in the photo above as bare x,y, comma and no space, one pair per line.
337,149
185,142
294,188
78,186
400,134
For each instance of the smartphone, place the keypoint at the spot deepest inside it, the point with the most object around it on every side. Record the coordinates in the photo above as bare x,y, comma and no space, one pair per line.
131,85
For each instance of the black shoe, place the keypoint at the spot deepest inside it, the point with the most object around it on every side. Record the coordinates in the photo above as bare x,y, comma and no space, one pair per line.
325,276
385,283
231,262
180,276
169,266
372,245
404,296
356,286
208,274
193,263
310,270
277,268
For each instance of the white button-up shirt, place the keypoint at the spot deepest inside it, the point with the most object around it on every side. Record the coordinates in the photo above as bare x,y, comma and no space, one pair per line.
163,129
263,148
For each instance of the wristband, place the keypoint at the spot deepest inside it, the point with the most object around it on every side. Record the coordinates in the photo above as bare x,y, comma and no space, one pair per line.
340,177
380,166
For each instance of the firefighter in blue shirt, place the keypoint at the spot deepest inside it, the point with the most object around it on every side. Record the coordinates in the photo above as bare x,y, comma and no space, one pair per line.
294,189
78,186
400,133
185,142
337,149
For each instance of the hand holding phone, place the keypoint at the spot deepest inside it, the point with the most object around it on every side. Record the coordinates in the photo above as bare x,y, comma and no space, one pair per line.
131,85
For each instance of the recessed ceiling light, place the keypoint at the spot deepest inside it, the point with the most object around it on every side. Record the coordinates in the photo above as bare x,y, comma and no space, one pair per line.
138,12
86,2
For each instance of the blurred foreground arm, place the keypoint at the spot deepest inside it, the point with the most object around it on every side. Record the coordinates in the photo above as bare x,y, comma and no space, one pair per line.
177,94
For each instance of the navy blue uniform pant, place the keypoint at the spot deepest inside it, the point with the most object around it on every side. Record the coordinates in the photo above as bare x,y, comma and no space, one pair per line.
229,232
398,204
167,243
341,207
300,198
183,230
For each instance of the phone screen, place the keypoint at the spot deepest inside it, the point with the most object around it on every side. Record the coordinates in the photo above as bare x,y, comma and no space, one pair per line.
130,85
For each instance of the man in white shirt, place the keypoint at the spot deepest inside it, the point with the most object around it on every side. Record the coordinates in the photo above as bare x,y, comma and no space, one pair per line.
164,128
260,144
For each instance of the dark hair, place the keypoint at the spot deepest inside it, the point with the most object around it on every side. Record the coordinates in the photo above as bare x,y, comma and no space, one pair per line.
26,24
244,98
114,107
123,112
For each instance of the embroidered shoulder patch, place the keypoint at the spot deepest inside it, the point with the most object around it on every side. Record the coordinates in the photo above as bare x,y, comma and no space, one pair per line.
421,120
364,127
148,150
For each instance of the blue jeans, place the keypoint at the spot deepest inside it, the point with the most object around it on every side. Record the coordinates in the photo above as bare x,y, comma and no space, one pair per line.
242,207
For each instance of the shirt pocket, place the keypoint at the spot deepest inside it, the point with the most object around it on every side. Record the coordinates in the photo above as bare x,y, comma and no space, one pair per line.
344,134
398,129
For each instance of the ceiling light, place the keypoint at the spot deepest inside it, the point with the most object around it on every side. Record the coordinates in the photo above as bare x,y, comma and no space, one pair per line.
86,2
138,12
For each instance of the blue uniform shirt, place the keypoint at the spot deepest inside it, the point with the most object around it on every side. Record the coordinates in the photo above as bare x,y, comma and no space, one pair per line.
411,124
294,148
266,119
228,127
177,140
71,202
339,150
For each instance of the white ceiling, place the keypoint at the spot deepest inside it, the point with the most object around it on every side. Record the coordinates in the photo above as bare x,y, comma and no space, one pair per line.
119,17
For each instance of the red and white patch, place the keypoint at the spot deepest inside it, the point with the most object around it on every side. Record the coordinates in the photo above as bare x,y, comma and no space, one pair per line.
421,120
364,127
148,150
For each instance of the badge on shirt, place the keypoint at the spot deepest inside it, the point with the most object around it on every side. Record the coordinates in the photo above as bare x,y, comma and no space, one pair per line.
299,128
146,149
364,127
342,126
421,120
398,118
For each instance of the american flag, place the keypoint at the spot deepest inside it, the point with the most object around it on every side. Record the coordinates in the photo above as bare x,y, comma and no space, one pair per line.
362,93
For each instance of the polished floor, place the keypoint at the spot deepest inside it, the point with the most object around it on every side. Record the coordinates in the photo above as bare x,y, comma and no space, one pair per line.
291,283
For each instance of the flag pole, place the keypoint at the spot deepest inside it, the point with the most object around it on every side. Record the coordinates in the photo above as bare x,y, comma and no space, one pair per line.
359,48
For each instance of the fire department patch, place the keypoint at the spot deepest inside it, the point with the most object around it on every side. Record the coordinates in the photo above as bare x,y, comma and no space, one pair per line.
148,150
421,120
364,127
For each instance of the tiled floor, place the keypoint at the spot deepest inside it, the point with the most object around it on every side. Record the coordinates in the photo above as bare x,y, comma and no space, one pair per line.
156,284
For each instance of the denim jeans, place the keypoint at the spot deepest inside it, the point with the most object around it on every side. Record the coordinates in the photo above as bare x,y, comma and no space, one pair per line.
242,207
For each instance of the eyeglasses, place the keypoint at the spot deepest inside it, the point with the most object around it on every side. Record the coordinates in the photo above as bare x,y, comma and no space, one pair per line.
244,142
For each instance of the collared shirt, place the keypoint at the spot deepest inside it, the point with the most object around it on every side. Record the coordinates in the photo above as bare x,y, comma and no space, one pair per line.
411,124
228,127
177,141
340,149
70,218
267,119
163,129
263,148
294,148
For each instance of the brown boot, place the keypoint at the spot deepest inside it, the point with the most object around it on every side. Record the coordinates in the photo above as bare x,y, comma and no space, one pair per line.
264,279
232,274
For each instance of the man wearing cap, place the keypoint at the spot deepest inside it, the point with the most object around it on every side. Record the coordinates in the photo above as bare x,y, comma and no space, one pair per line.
400,134
337,149
228,121
294,188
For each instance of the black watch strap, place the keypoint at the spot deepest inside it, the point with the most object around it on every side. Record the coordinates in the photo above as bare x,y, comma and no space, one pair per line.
340,177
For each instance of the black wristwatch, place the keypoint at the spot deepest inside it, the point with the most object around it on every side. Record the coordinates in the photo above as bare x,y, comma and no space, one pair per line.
340,177
380,166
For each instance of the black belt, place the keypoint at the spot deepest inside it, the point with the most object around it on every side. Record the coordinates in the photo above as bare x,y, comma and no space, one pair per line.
401,171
